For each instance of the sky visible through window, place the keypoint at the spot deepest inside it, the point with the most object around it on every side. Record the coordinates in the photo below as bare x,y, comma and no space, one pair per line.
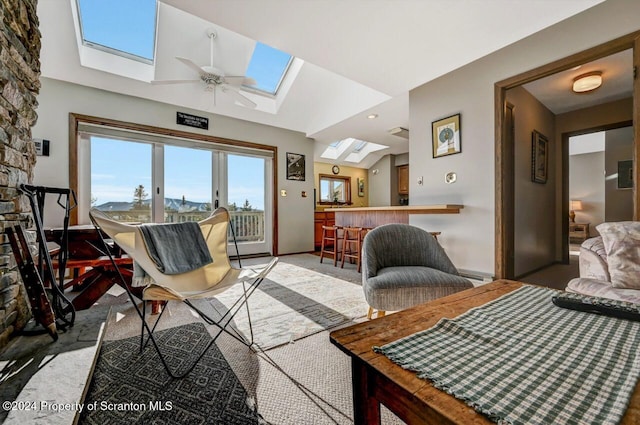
267,67
118,167
125,25
129,26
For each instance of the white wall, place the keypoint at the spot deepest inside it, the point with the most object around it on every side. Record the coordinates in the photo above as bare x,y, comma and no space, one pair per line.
469,237
534,203
586,183
57,99
618,147
380,182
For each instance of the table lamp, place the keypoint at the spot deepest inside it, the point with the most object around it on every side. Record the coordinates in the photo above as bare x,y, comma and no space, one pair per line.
576,205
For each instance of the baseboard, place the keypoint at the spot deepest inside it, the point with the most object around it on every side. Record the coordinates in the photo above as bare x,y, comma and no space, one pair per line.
476,275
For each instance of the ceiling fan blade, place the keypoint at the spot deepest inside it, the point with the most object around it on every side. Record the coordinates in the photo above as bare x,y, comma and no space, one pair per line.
240,81
237,96
191,65
158,82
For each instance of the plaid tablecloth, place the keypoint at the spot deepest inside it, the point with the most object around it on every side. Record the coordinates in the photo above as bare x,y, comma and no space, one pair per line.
522,360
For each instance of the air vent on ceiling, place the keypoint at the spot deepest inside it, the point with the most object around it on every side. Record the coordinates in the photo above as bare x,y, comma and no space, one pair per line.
400,132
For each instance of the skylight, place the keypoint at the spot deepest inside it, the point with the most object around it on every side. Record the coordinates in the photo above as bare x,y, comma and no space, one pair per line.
358,145
350,150
361,149
268,67
123,27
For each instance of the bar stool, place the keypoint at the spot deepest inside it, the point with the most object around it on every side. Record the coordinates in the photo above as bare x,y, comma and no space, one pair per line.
329,244
351,245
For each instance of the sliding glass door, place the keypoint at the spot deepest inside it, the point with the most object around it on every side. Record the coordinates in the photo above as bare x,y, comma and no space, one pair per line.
188,184
176,181
121,178
246,198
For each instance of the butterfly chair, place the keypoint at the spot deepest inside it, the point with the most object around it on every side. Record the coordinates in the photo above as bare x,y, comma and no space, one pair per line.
204,282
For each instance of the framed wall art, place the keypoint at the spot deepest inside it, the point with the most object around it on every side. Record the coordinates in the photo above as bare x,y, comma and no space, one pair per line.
625,174
295,166
361,187
539,157
446,138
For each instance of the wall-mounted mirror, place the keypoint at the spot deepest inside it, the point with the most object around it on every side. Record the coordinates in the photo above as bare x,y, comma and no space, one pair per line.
335,189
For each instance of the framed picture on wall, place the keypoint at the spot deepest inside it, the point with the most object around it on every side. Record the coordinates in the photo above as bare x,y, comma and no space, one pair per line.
539,157
361,187
625,174
295,166
446,137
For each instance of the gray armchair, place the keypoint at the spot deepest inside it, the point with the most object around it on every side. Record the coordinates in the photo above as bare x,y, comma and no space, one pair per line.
403,266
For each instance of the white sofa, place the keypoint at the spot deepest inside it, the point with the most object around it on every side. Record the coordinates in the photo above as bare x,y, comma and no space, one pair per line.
595,274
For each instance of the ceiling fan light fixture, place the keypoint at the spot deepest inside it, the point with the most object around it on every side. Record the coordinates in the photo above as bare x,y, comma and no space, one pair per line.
587,82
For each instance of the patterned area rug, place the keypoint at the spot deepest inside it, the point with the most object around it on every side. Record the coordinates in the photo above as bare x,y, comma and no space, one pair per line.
294,302
132,388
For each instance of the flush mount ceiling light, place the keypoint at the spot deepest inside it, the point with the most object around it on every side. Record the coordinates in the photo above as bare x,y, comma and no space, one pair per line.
372,116
587,82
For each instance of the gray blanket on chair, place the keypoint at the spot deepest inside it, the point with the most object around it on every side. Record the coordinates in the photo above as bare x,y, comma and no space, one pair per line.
176,247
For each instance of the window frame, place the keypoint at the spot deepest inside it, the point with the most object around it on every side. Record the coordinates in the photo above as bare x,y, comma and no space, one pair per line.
76,120
346,180
112,50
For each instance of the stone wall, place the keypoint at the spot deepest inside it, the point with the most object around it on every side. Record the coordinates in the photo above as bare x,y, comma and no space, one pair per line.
19,86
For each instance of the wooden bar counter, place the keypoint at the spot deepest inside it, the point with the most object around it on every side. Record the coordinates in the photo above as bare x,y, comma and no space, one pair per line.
376,216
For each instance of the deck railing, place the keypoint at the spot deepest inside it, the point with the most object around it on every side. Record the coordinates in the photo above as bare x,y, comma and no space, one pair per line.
248,225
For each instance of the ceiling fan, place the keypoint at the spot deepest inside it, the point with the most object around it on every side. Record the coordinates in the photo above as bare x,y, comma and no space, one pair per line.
214,78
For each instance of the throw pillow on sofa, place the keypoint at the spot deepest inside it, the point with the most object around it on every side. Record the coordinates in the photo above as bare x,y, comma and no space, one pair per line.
622,243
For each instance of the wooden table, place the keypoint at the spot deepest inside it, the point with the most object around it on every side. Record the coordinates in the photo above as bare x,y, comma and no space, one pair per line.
376,379
93,272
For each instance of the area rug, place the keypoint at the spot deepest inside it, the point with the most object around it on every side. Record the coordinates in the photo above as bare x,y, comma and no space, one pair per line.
294,302
131,388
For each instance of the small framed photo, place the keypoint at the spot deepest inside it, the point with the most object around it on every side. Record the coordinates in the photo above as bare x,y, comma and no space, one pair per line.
361,187
446,137
295,166
539,157
625,174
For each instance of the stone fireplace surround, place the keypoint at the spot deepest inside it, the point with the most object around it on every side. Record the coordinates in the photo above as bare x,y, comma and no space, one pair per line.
19,86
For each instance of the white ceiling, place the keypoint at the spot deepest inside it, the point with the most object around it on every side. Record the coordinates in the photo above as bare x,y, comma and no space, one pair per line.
617,83
360,56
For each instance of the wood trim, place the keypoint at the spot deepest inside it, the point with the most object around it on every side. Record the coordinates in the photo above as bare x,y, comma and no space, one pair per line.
347,180
502,214
73,163
503,232
602,50
636,127
76,119
565,175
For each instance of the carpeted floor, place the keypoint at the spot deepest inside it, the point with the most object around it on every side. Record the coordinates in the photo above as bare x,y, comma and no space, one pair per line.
294,302
306,381
555,276
131,388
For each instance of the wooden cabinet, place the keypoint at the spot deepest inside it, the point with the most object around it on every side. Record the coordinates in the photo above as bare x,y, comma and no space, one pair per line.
578,232
403,180
321,218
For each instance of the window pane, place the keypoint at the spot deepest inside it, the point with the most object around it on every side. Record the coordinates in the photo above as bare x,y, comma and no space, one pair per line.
121,179
246,196
187,184
267,67
335,189
124,25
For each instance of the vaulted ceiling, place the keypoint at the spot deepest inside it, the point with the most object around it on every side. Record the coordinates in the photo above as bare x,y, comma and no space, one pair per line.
355,57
